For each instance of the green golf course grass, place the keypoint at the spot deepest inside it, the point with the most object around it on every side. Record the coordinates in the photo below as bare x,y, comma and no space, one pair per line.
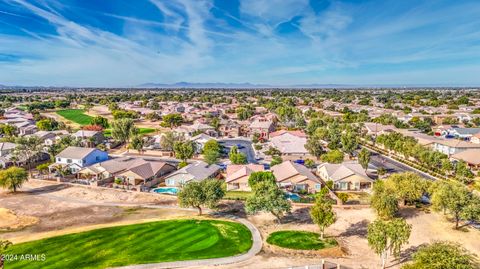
141,131
300,240
163,241
75,115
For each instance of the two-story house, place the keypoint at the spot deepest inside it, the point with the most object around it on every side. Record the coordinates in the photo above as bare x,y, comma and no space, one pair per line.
75,158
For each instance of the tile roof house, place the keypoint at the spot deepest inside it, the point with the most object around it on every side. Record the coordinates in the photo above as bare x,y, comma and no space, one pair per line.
75,158
196,171
470,156
237,176
88,137
290,143
377,128
346,176
262,127
296,177
137,172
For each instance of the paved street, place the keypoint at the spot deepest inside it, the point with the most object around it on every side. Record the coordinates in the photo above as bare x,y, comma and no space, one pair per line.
394,166
246,147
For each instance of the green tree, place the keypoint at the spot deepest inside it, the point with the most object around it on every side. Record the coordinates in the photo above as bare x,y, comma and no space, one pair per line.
261,176
137,143
28,149
442,255
184,150
211,156
13,178
383,201
454,198
196,194
322,214
333,156
212,145
408,186
8,130
349,142
172,120
276,160
267,197
309,163
315,147
237,157
47,124
387,237
364,158
168,140
100,121
123,130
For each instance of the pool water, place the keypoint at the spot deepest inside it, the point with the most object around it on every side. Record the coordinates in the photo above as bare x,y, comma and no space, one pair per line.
166,190
293,196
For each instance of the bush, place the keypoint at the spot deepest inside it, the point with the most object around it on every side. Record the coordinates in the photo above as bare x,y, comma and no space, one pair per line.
343,196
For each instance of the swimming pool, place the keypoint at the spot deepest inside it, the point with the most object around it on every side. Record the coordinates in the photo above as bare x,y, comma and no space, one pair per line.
293,196
166,190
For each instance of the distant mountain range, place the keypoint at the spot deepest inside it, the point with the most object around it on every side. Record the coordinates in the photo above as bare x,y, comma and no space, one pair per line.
246,85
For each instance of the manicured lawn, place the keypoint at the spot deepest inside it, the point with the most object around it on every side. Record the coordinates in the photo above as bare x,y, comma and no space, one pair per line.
300,240
237,195
173,240
141,131
75,115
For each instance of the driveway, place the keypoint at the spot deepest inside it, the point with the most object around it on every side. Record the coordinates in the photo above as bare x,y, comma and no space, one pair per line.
246,147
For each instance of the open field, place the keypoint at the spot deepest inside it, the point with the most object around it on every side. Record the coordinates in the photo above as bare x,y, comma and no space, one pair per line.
171,240
75,115
141,131
300,240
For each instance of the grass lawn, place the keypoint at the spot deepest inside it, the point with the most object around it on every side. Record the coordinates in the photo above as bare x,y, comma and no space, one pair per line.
300,240
237,195
75,115
141,131
173,240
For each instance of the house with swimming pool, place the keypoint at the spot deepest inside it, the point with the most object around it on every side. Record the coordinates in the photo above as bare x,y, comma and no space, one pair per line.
195,171
296,177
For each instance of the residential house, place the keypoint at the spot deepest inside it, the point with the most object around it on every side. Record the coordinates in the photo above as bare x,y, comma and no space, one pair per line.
470,156
346,176
194,129
296,177
463,133
6,148
90,138
75,158
290,143
237,176
263,127
229,128
376,129
193,172
200,141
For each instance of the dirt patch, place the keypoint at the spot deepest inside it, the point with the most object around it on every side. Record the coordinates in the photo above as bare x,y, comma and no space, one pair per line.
10,221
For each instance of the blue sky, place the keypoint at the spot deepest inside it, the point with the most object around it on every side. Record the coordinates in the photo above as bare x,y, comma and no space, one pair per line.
279,42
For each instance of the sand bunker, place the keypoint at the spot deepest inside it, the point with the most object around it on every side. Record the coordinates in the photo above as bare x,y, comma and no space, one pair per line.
9,221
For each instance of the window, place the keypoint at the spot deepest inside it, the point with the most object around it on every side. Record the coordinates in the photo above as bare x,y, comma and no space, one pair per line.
318,186
69,160
170,182
59,159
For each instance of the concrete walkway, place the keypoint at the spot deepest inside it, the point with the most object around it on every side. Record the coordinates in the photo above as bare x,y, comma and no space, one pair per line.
256,247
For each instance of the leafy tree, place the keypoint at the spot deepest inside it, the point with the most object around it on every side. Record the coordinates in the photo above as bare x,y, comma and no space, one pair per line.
168,140
261,176
137,143
13,178
333,156
267,197
47,124
172,120
237,157
364,158
276,160
97,128
211,156
8,130
455,198
271,151
244,113
383,201
212,145
463,172
100,121
309,163
184,150
196,194
123,130
387,237
407,186
315,147
4,245
28,148
322,214
441,255
349,142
